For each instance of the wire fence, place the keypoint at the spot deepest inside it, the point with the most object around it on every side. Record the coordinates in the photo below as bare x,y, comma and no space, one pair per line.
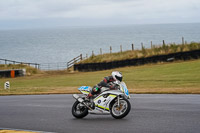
53,66
46,66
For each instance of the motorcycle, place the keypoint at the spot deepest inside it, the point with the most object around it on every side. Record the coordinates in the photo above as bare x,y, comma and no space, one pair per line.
114,102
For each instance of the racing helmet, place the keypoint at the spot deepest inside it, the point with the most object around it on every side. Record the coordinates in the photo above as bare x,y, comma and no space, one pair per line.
117,76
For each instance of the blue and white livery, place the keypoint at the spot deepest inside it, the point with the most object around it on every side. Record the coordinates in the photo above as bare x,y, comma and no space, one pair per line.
114,102
85,89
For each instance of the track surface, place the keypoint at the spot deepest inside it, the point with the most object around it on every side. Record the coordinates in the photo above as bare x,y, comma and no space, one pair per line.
149,114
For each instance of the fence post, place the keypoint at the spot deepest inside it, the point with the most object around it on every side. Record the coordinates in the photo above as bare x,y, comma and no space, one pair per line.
101,51
120,48
163,42
151,44
20,64
110,49
183,40
132,46
74,60
81,57
92,53
142,45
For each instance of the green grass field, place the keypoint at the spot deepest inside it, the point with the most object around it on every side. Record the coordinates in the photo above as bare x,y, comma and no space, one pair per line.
177,77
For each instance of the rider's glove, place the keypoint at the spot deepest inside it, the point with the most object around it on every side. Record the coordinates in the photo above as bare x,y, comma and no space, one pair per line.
95,88
114,87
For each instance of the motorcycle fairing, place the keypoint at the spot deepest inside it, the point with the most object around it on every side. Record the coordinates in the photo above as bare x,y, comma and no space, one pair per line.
103,101
85,89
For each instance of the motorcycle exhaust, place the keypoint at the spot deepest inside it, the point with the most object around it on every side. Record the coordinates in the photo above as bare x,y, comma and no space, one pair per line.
81,101
78,98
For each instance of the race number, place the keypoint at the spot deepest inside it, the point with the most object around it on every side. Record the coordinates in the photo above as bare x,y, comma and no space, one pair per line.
7,85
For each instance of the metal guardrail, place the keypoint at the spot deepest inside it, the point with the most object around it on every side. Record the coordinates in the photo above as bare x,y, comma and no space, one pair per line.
36,65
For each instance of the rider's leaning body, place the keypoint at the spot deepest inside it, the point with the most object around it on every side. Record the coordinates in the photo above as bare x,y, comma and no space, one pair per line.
107,82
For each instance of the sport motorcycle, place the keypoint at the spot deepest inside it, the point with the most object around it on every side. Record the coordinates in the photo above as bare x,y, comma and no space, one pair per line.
114,102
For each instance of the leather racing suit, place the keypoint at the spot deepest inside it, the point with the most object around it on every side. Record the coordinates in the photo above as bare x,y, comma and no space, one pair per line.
106,82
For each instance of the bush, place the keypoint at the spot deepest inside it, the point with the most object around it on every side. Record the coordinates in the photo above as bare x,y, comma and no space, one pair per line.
174,48
193,46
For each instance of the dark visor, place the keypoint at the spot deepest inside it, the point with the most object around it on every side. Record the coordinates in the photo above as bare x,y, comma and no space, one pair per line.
119,78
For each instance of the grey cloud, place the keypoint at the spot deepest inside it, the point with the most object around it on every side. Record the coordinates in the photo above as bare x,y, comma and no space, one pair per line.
123,11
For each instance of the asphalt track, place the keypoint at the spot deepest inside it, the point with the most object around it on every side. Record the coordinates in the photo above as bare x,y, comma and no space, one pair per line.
149,114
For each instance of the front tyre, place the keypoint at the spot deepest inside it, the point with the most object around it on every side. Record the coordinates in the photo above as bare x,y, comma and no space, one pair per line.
79,110
122,110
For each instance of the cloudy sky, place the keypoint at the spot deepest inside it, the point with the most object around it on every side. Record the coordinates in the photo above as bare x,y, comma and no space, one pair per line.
55,13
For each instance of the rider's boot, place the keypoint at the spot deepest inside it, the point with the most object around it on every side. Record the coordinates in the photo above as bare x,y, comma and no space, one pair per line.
90,98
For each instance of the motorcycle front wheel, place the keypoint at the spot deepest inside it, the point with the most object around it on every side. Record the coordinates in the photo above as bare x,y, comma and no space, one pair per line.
79,110
121,111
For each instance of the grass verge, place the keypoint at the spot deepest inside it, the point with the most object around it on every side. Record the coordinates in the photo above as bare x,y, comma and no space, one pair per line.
162,78
29,70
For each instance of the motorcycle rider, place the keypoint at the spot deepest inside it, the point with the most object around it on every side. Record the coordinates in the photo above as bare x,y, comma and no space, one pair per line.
107,82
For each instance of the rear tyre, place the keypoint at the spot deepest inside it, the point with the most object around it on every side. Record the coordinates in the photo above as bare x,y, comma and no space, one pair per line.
79,110
122,111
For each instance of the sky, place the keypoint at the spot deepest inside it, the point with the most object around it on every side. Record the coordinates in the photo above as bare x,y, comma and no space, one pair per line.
19,14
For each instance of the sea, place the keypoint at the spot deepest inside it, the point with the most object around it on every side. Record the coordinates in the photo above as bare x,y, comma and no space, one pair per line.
48,46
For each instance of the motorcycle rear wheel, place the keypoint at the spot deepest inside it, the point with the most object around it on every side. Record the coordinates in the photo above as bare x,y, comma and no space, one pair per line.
79,110
122,111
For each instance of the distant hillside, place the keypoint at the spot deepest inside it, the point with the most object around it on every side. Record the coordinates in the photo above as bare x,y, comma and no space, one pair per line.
144,52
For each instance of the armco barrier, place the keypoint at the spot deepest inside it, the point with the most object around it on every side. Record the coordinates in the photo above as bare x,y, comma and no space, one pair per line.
12,73
195,54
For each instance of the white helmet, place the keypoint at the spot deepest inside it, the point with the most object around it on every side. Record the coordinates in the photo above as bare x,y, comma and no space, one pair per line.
117,76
